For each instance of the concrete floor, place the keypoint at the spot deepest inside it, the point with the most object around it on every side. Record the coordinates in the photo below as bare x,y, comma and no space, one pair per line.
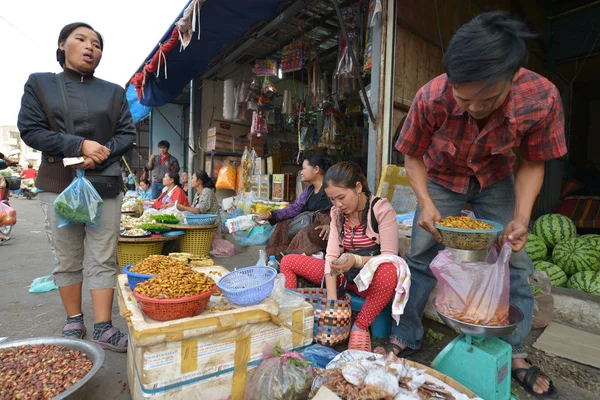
23,315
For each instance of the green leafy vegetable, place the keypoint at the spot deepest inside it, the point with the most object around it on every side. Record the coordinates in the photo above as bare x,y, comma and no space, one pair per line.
81,214
165,219
433,336
154,227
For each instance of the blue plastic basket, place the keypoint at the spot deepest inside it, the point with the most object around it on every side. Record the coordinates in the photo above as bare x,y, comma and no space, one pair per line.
133,279
201,219
248,286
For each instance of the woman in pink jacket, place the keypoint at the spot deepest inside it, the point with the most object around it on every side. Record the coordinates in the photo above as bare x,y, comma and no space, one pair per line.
362,227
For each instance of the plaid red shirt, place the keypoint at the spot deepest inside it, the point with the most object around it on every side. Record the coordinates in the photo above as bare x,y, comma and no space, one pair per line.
453,148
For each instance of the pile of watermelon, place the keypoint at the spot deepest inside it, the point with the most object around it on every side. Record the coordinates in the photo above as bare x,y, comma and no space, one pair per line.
569,260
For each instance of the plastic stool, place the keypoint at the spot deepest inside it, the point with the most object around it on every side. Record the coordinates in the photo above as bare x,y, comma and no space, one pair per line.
380,328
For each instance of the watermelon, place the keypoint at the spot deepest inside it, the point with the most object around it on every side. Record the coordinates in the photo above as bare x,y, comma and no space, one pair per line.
557,276
586,281
576,255
536,248
554,228
593,239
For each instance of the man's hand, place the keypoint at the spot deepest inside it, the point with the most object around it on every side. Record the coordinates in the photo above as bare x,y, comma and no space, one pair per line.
516,233
168,164
10,161
95,151
324,234
87,164
428,216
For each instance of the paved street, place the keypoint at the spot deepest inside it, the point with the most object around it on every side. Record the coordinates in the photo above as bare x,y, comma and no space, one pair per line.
22,314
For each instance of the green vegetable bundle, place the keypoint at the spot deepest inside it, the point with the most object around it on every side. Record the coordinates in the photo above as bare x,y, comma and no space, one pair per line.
165,219
79,203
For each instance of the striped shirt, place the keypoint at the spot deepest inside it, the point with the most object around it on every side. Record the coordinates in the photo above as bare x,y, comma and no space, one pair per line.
355,238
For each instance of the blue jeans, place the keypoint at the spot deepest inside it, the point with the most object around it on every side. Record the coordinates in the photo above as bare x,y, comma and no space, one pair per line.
495,202
156,190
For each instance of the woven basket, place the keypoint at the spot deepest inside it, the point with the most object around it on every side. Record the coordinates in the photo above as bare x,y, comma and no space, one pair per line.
171,309
131,253
248,286
197,241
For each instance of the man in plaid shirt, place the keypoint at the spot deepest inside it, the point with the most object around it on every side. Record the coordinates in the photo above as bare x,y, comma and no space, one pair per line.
458,142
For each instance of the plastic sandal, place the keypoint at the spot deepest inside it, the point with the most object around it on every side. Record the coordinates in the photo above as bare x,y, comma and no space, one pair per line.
531,376
74,326
120,347
359,340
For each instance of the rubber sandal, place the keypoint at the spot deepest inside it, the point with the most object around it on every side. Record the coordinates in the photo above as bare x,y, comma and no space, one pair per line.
531,376
359,340
73,326
120,347
398,351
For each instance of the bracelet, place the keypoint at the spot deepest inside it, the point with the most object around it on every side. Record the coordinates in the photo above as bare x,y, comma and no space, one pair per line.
358,261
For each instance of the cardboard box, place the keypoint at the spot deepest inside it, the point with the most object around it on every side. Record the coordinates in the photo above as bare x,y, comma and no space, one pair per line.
264,189
273,165
209,356
254,185
284,187
234,130
394,186
260,166
220,143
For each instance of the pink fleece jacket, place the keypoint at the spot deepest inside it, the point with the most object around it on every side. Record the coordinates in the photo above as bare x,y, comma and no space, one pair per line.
387,237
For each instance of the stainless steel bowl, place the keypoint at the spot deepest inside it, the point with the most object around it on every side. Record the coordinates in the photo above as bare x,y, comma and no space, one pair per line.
515,316
94,352
461,256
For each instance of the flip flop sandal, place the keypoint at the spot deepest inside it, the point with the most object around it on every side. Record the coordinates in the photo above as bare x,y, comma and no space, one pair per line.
398,351
359,340
74,326
531,376
120,347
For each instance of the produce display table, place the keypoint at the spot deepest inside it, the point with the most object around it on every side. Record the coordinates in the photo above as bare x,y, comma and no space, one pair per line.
197,239
133,250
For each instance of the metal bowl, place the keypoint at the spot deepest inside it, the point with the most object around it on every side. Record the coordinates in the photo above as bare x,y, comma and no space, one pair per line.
515,316
92,350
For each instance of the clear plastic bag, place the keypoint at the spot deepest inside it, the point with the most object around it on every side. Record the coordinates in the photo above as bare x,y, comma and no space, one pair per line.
42,284
541,285
280,376
227,178
8,215
79,203
476,292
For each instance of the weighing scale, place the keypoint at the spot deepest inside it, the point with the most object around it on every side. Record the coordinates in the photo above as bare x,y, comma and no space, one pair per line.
477,358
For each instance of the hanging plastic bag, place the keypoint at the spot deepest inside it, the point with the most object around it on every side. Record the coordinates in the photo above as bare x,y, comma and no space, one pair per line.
475,292
541,285
280,376
79,203
42,284
8,215
257,236
226,178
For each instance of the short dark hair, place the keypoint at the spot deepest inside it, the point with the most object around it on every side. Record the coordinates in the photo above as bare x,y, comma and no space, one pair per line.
489,48
146,181
175,176
164,143
65,32
206,180
318,160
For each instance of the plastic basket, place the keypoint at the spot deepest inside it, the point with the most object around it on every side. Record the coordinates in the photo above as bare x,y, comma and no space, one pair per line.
248,286
170,309
470,239
131,253
133,279
197,241
201,219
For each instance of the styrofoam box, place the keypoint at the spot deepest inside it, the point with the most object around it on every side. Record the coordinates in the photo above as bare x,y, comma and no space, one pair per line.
210,356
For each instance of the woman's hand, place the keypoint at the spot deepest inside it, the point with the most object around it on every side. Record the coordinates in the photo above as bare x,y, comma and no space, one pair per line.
88,163
331,286
264,216
324,234
181,207
343,264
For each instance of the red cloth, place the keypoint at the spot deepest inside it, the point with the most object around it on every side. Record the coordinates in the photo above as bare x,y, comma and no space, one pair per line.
163,158
453,148
584,211
178,195
29,174
377,296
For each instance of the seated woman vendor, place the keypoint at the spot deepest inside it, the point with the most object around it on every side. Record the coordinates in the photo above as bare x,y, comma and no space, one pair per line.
205,201
172,192
362,227
312,238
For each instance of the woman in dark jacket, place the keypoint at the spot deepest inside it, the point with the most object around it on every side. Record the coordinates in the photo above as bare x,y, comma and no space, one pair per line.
312,238
99,129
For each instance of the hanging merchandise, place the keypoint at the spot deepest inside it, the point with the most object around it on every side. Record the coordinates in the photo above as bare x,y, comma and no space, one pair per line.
265,68
228,99
315,83
345,65
245,172
293,56
254,93
286,107
259,124
374,11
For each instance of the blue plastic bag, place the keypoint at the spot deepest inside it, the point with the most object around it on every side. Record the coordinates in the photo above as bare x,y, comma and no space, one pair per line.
79,203
42,285
256,236
319,355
